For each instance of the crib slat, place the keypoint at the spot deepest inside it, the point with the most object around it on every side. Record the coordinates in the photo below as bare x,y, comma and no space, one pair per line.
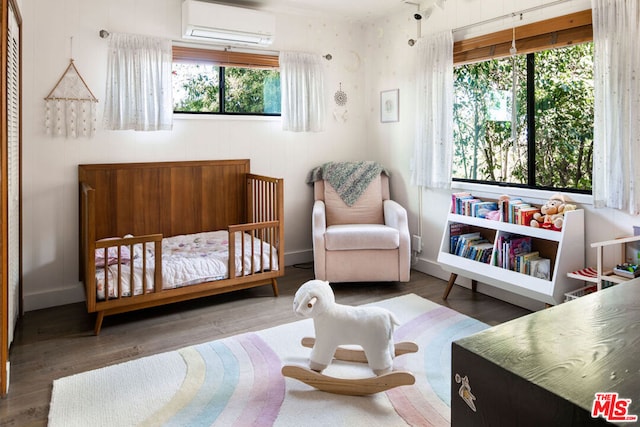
231,264
144,268
106,273
260,238
157,279
131,268
119,272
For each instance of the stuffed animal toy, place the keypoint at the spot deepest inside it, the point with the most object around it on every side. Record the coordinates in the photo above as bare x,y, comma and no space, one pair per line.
336,324
551,214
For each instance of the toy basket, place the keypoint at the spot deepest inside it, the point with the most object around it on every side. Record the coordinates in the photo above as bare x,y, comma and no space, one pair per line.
569,296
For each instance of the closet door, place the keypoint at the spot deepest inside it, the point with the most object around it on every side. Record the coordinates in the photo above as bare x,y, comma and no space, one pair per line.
10,200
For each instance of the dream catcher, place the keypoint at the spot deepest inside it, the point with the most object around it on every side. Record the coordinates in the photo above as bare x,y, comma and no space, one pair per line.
340,98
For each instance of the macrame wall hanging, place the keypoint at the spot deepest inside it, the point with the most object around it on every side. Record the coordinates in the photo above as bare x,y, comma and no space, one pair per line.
70,108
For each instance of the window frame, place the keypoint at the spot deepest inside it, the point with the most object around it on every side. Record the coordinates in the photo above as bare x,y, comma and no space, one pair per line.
222,59
563,31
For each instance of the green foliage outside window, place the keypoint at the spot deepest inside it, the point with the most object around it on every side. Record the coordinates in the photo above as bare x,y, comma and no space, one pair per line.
492,141
248,90
564,117
197,89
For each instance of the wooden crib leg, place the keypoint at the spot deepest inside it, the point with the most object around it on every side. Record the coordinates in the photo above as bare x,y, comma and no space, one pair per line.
98,326
274,285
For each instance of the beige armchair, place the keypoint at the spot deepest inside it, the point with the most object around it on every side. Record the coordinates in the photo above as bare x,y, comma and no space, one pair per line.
367,241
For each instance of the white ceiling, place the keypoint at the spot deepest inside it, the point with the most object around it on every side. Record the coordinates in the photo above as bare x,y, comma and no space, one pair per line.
350,9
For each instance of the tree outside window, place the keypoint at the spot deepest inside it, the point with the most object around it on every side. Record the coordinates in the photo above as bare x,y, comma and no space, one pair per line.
526,120
209,88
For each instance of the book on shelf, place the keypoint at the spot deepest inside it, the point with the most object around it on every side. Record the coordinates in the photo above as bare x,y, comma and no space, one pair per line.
540,268
457,201
505,206
468,204
482,252
456,229
465,240
459,240
512,209
509,247
517,246
469,251
455,197
516,212
481,209
523,261
526,214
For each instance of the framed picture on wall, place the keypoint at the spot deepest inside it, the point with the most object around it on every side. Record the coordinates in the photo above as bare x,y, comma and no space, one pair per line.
389,111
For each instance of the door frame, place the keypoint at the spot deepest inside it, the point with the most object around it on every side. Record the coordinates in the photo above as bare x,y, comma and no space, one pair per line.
4,187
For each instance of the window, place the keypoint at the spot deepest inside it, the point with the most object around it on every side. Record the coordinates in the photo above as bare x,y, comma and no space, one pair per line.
219,82
527,120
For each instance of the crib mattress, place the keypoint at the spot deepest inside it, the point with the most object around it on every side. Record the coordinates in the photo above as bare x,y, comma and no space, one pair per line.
186,260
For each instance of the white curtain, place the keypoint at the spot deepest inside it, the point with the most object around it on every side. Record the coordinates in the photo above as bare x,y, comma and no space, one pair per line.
431,166
302,91
616,144
138,83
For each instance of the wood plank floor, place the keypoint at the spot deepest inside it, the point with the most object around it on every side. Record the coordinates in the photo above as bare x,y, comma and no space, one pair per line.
59,341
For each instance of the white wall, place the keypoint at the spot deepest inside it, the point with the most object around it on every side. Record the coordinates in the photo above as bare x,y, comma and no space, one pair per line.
50,199
391,64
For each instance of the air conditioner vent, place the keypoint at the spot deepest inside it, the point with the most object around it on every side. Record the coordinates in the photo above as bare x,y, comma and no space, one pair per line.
222,24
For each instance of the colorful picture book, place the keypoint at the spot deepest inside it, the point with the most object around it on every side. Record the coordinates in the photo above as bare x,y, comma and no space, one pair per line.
540,268
525,215
509,247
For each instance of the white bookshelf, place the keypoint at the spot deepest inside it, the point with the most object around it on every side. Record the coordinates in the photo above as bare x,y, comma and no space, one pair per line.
564,248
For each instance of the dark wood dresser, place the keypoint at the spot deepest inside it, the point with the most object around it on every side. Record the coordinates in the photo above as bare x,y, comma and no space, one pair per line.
544,369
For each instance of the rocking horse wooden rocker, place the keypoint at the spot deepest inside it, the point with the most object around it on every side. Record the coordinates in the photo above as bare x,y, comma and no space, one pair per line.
337,325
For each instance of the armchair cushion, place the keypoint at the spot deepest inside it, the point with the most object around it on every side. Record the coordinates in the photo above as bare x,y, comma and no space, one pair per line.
366,210
347,237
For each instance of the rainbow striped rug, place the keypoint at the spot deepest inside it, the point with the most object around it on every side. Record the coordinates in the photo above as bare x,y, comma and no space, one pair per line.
237,381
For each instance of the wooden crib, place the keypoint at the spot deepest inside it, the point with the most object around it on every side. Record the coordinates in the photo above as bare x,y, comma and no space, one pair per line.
150,201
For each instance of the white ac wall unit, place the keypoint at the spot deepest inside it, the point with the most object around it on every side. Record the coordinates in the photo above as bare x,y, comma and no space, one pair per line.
216,23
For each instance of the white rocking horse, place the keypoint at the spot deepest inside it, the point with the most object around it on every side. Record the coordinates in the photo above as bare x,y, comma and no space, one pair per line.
335,324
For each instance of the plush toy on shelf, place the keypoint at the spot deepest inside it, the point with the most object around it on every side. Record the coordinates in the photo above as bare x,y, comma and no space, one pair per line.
339,325
551,214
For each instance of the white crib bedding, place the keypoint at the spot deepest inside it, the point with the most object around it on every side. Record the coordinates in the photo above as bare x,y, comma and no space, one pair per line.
186,260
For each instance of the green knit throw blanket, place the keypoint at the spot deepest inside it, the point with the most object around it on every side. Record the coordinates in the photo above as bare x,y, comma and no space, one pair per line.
349,179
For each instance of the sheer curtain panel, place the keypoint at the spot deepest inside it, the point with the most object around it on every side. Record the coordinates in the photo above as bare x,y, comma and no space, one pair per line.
434,135
616,170
138,83
302,91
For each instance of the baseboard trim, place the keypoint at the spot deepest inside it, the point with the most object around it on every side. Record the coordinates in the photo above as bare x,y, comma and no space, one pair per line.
54,297
298,257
